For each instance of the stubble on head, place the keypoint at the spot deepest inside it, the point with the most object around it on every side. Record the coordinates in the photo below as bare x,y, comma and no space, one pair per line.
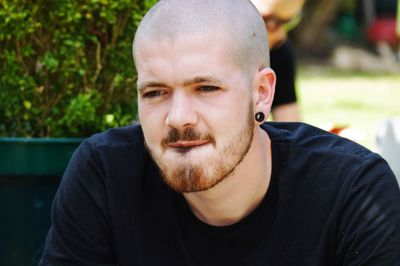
237,20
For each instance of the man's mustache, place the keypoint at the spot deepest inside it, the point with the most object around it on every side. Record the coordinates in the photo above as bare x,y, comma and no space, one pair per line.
188,134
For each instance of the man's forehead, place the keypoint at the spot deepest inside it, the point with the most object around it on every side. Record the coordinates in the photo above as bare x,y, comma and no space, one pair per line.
187,72
184,46
191,59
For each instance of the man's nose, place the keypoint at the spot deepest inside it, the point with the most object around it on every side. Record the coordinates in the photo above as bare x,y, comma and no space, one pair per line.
181,111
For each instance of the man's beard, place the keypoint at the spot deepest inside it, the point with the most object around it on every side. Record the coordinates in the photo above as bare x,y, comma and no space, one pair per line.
191,177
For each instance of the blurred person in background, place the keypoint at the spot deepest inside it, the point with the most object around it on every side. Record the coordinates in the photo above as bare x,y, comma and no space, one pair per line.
280,16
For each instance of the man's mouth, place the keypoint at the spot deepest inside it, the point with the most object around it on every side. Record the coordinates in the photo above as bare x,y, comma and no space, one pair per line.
185,146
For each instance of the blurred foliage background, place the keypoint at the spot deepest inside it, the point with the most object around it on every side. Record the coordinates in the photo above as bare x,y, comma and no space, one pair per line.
66,66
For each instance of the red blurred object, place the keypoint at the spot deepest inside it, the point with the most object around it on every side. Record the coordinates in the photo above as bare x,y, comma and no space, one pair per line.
336,129
383,30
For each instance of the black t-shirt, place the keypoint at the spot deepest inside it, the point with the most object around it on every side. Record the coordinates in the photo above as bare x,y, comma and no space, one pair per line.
330,202
283,63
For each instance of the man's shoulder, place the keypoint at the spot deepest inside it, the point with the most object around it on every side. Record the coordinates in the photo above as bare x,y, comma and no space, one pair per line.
115,145
121,136
306,137
115,155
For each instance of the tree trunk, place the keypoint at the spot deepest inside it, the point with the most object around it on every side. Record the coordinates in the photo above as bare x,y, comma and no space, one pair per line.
311,34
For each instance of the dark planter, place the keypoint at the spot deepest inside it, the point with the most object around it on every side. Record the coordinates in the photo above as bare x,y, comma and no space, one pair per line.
30,171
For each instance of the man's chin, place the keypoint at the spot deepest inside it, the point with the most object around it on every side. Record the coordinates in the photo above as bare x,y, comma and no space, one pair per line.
186,179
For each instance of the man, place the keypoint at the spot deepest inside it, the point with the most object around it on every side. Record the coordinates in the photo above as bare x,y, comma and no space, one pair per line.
280,16
203,180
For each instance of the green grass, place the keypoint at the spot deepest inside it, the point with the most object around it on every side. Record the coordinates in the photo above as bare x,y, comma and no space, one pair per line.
359,100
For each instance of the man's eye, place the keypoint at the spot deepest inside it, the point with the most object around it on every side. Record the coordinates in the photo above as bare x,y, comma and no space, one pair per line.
207,88
152,94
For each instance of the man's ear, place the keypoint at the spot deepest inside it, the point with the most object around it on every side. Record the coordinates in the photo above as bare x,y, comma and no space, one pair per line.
265,90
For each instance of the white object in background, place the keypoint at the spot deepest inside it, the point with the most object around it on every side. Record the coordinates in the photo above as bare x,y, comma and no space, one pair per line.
388,144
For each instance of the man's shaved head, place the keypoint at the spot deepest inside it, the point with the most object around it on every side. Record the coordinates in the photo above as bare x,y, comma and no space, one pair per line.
201,65
236,21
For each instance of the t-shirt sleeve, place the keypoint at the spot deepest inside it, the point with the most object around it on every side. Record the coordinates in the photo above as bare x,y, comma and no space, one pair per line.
283,63
80,233
369,226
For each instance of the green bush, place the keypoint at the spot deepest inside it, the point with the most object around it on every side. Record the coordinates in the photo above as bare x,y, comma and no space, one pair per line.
66,67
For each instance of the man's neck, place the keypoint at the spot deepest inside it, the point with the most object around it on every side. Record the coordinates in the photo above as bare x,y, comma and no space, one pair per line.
240,193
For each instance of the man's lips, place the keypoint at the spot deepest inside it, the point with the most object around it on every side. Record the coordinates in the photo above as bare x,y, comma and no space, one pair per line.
187,144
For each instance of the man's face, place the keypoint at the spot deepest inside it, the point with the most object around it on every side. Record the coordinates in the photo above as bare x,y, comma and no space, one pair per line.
196,109
277,14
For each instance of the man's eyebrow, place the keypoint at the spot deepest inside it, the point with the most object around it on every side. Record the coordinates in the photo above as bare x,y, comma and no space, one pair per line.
186,83
201,79
150,84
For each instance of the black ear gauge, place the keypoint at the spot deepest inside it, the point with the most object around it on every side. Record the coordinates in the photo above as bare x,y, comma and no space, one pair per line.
260,117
